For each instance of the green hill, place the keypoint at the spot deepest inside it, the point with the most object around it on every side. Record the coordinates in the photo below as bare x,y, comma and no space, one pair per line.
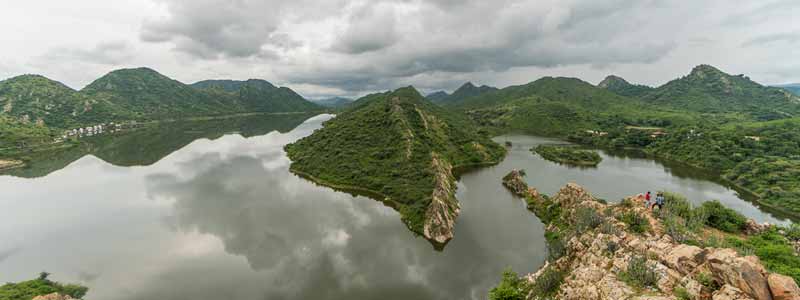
794,88
335,102
36,99
466,91
257,95
622,87
146,94
556,106
437,97
399,147
709,90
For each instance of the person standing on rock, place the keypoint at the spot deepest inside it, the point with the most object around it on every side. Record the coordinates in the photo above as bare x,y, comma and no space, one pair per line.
647,200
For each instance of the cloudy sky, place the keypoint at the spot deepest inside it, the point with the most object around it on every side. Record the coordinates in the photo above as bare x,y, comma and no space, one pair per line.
351,47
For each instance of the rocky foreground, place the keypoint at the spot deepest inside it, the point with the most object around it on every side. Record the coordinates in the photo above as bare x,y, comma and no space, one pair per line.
603,256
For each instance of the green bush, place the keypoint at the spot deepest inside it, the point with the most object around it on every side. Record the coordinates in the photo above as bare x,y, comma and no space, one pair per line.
639,273
635,221
511,287
723,218
547,284
555,246
587,218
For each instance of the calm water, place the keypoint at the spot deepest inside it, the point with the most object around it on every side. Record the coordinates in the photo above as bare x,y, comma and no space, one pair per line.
189,212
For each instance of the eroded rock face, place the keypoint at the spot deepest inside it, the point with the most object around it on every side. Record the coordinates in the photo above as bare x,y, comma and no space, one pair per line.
53,296
440,218
783,287
514,182
596,259
744,273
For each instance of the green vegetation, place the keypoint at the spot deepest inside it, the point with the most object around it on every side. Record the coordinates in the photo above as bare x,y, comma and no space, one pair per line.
568,155
639,273
692,226
467,90
730,125
395,145
636,222
35,110
27,290
512,287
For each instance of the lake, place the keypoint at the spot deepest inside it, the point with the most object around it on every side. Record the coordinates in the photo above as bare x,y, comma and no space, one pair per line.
209,210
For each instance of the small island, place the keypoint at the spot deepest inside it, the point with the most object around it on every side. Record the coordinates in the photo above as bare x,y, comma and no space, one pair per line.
568,155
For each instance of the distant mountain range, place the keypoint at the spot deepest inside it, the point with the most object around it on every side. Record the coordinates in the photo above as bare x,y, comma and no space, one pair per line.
467,90
335,102
33,107
794,87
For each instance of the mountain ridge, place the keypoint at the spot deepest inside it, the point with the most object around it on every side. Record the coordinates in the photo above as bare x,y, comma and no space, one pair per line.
404,149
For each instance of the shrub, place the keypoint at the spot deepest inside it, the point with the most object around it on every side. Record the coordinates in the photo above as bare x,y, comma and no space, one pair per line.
723,218
793,232
555,246
674,226
608,228
635,221
707,281
639,273
677,205
612,247
511,287
587,218
547,284
682,294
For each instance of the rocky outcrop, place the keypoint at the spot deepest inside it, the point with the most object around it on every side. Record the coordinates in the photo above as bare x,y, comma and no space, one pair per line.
514,183
598,260
53,296
440,218
783,287
10,164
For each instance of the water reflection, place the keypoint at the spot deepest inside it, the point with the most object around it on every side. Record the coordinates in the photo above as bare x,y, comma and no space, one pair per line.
622,174
224,219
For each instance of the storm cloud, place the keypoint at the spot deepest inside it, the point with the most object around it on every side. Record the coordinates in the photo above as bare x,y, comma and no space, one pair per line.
353,47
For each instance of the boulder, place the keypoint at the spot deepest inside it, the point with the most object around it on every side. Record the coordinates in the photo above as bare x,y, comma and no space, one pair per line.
783,287
572,194
745,274
684,258
728,292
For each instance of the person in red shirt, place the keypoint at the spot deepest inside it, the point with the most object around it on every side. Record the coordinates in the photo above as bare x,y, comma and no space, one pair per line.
647,199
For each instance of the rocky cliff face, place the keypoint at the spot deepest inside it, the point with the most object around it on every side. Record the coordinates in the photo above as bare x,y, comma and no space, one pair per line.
604,258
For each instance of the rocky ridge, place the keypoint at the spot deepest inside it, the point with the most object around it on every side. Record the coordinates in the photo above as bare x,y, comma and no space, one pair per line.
597,263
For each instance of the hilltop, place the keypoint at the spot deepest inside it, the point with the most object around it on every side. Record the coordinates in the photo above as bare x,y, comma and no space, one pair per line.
400,148
257,95
335,102
622,87
465,91
708,90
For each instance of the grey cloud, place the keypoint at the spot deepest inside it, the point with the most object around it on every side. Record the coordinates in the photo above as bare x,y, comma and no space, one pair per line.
211,29
371,28
106,53
788,37
6,253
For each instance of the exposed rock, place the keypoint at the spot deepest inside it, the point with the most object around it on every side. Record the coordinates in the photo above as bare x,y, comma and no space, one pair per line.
572,194
746,274
684,258
440,218
10,164
783,287
751,227
53,296
728,292
596,261
514,182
